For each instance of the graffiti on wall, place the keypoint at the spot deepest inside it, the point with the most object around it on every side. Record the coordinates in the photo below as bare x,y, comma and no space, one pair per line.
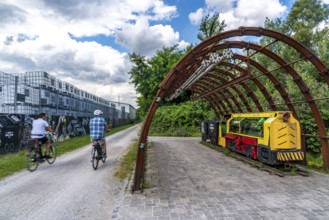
15,129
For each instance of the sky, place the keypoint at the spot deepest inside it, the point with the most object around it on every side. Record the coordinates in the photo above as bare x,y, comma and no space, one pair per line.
87,43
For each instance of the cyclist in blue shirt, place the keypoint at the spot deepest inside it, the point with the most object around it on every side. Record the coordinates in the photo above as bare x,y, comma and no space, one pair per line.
98,127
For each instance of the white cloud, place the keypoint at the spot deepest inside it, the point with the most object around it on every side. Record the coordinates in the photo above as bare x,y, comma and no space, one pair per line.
144,39
321,26
219,5
255,12
196,17
231,20
36,36
162,11
240,12
119,92
182,45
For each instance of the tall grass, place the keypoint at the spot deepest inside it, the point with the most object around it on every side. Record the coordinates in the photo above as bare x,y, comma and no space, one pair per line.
127,162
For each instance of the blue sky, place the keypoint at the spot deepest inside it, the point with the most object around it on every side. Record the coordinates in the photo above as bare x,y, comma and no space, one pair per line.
86,42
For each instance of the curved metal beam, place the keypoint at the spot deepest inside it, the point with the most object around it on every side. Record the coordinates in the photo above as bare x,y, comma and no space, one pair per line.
213,78
207,86
236,90
260,86
187,65
214,101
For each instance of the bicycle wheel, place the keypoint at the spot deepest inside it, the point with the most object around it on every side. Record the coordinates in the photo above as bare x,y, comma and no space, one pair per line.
103,158
52,153
95,158
32,159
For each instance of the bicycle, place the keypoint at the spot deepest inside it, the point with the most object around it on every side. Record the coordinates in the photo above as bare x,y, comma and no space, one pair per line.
35,156
97,154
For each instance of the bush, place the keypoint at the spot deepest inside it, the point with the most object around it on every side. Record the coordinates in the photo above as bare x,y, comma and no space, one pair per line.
181,120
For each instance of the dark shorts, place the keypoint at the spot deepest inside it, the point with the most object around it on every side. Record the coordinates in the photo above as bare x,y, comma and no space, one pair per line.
43,140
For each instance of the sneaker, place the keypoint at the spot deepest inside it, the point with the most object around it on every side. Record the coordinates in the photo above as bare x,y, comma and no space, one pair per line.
34,159
104,155
47,157
41,160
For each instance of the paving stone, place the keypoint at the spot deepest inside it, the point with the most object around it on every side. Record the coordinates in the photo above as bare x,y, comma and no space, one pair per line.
191,181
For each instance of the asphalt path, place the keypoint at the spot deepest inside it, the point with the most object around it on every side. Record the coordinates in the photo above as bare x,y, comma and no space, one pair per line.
70,188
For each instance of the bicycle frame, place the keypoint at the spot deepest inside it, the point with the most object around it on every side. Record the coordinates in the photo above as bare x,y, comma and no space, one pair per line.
34,154
97,154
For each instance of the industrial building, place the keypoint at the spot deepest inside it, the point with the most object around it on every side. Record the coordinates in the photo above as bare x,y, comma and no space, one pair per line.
30,93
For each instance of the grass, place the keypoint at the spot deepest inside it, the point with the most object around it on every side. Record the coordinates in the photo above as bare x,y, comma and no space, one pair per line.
11,163
315,163
14,162
127,163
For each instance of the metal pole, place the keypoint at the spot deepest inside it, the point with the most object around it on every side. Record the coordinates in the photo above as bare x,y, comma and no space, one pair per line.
15,94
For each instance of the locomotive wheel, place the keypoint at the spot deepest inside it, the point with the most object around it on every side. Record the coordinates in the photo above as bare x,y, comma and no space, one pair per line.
231,145
248,151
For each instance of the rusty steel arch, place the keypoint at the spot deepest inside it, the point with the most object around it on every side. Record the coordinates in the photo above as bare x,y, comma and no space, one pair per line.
215,77
214,82
216,89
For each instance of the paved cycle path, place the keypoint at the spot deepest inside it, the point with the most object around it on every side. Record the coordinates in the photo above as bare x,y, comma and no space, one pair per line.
191,181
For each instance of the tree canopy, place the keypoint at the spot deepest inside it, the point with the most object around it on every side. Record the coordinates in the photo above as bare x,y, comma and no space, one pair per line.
210,26
307,22
148,73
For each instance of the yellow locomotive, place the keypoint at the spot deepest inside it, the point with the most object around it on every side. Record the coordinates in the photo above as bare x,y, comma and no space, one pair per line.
271,137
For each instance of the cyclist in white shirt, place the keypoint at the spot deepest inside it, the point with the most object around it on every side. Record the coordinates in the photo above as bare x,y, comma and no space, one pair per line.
39,127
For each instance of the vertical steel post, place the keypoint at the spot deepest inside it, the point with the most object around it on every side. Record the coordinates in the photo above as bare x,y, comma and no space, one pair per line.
15,94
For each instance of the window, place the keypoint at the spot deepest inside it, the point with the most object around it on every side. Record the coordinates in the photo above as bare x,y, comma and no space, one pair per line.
27,92
20,97
235,125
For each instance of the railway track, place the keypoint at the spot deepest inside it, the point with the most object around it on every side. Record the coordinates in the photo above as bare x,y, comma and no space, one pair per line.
270,169
296,171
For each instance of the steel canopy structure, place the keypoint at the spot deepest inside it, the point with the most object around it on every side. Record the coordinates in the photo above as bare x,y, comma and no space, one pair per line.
226,79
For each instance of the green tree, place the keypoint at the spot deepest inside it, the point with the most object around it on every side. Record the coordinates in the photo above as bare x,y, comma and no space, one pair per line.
304,20
148,73
210,26
306,24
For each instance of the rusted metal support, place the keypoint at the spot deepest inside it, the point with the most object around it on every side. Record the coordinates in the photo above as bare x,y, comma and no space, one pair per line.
245,86
249,91
224,97
192,61
232,82
142,145
207,78
212,76
214,100
275,81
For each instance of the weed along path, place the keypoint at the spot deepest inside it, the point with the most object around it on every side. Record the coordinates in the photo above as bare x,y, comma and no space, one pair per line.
70,188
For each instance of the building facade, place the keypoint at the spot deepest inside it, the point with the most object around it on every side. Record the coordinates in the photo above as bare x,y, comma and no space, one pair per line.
69,109
30,93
